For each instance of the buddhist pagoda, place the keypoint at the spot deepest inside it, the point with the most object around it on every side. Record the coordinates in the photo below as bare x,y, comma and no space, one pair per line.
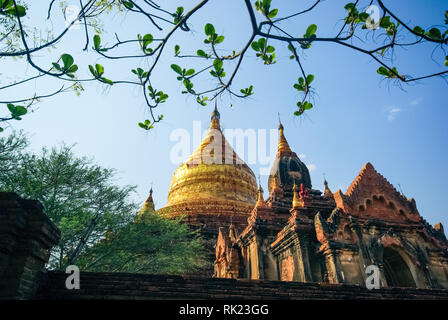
299,233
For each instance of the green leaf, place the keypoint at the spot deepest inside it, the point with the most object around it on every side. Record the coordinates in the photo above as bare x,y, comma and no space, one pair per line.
176,69
189,72
209,29
385,22
309,78
255,46
273,13
217,64
310,31
128,4
72,69
20,110
176,49
67,60
11,107
20,10
92,70
418,30
349,6
99,69
219,39
56,66
201,53
383,71
307,105
110,82
270,49
1,129
147,39
96,42
434,34
363,16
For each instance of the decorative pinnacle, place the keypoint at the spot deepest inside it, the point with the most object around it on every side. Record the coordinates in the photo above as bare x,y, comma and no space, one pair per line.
296,198
215,116
260,199
150,199
283,145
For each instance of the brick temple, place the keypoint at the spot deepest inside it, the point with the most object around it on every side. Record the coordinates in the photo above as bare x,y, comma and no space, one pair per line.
299,233
299,243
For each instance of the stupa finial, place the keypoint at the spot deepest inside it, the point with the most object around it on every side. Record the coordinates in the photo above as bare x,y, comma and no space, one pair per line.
283,146
215,116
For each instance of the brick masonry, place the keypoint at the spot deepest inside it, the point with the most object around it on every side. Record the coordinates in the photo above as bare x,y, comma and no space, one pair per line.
125,286
26,238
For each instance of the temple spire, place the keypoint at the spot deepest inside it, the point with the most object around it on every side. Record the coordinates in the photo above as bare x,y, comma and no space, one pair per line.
296,198
215,116
260,199
327,193
148,206
283,146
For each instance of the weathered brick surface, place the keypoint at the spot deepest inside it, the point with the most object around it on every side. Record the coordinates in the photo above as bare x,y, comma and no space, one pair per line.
125,286
26,237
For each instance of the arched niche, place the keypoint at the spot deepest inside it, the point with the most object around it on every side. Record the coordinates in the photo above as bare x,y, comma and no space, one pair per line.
396,270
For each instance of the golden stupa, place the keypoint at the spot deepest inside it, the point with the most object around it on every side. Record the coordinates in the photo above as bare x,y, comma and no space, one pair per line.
214,185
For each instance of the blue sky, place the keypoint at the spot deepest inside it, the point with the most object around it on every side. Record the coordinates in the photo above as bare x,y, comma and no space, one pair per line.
357,118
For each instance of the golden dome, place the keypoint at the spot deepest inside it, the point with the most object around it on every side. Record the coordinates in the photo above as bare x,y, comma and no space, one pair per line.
213,176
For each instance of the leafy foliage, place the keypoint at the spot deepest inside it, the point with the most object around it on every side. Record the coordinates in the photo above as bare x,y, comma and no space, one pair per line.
68,67
387,34
264,51
150,244
78,195
7,9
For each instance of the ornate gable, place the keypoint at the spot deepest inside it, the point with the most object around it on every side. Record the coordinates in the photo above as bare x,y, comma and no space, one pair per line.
371,196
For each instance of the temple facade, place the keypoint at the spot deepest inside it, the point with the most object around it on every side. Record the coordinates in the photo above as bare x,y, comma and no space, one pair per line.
299,233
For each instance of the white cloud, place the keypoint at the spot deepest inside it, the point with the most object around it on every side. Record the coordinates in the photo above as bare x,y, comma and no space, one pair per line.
311,167
302,156
393,113
416,101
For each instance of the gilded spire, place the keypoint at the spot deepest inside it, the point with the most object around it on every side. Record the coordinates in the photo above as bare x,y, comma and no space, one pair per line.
296,198
260,200
148,206
215,116
283,146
